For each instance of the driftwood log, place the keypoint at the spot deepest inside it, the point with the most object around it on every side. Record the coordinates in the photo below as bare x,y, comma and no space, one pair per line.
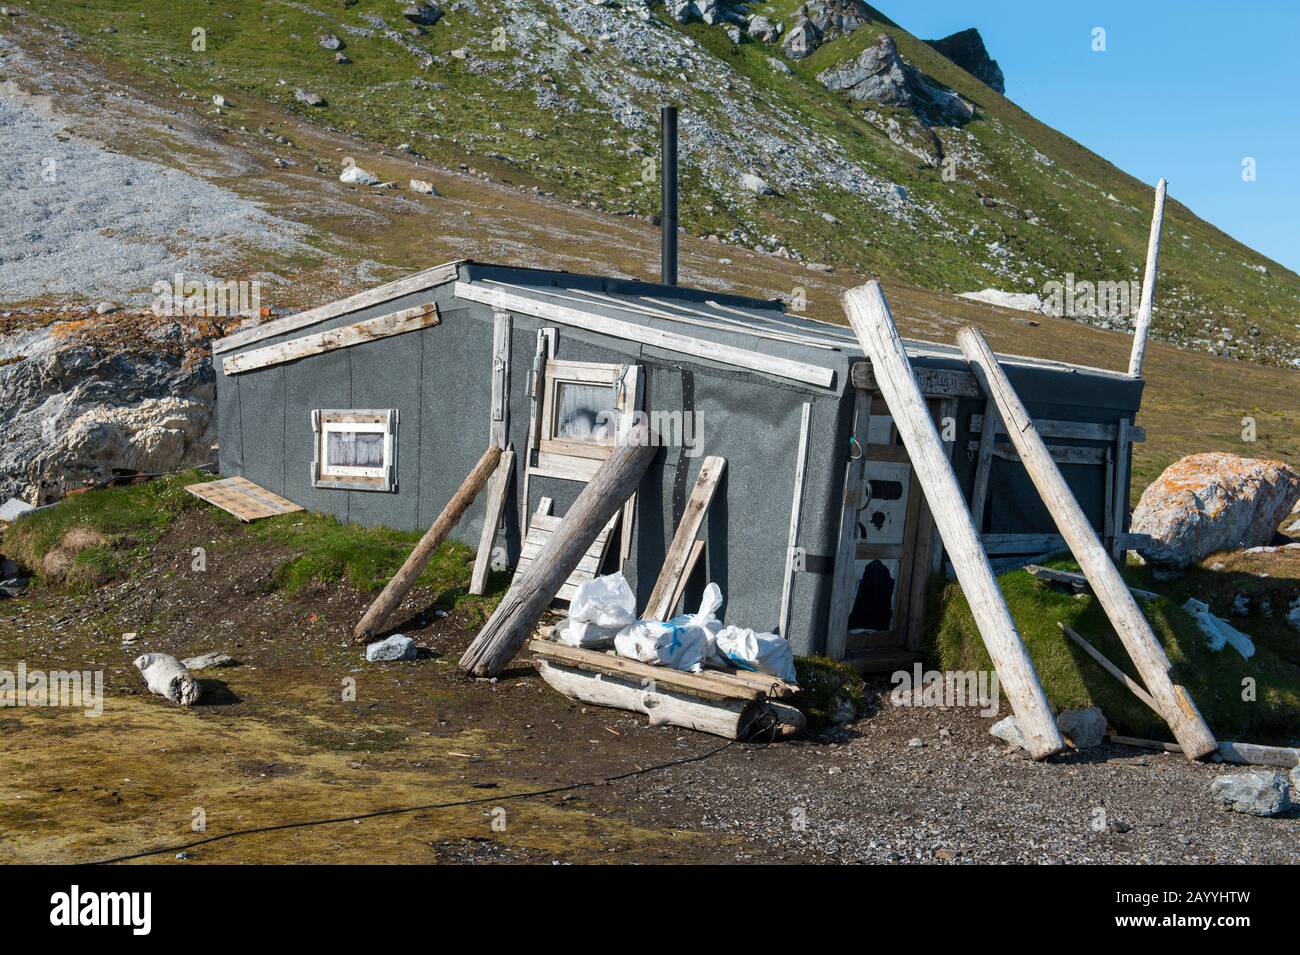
1143,328
1175,704
512,622
868,312
404,579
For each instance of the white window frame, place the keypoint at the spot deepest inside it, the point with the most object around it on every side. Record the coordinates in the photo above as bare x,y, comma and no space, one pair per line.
327,421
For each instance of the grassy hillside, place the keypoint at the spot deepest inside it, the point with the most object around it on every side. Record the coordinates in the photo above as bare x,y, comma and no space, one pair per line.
561,97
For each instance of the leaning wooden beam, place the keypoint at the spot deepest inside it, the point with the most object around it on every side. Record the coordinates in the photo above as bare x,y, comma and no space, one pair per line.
1176,706
1143,328
1242,754
534,589
496,506
345,336
869,314
1138,690
660,605
404,579
648,335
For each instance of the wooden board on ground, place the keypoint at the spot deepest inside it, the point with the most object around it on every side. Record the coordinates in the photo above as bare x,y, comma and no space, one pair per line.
1241,754
723,702
539,533
242,498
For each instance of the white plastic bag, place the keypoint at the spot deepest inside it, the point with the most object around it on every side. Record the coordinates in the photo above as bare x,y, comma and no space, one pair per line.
763,652
683,643
599,610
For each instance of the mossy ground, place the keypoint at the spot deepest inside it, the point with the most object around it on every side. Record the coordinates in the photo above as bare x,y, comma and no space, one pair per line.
1254,700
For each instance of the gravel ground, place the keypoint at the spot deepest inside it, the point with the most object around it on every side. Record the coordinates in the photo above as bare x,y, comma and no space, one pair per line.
82,221
864,795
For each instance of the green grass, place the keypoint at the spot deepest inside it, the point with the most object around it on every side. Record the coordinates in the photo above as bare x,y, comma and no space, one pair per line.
823,682
1071,679
129,519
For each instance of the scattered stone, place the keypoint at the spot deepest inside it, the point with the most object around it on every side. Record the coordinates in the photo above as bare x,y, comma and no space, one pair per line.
819,267
330,42
13,509
829,218
780,66
802,40
1117,825
397,647
105,308
167,677
220,101
308,97
12,587
1211,502
423,187
209,661
1008,730
422,14
755,184
733,34
762,29
1241,605
843,711
356,176
916,742
129,638
1258,792
9,11
1086,728
341,58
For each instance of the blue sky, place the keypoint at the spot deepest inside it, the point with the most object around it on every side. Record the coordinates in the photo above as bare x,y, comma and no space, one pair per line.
1184,90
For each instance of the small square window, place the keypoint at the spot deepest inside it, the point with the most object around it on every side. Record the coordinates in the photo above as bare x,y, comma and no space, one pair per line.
584,406
355,449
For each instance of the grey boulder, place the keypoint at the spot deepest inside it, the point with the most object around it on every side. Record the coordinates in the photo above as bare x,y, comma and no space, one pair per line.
1085,728
1258,792
397,647
422,14
1008,730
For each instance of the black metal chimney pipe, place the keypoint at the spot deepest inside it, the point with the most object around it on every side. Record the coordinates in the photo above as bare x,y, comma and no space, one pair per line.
668,178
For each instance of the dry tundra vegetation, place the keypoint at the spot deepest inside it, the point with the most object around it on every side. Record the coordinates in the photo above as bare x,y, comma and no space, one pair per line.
278,743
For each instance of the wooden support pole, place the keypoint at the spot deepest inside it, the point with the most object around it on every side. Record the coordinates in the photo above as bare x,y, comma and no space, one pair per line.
496,506
1143,328
1138,690
512,622
796,511
1176,706
869,314
404,579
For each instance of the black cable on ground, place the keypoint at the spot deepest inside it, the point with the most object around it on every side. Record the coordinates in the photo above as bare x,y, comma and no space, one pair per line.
763,723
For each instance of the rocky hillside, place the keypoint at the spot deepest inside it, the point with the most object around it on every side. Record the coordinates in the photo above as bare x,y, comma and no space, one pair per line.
820,131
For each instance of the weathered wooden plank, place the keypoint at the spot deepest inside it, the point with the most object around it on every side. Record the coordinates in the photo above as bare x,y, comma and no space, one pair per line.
933,382
1061,453
499,414
345,336
418,282
844,583
679,551
1242,754
496,507
1078,582
709,684
1138,690
679,591
1143,328
602,498
1049,428
796,512
646,335
404,579
1176,706
728,718
1119,496
869,314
